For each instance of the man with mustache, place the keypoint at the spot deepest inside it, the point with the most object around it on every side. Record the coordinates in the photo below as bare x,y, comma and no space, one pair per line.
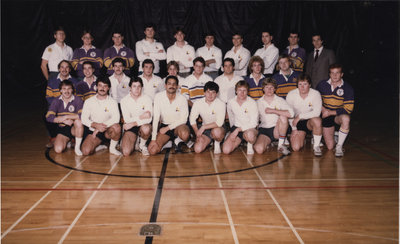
171,109
100,115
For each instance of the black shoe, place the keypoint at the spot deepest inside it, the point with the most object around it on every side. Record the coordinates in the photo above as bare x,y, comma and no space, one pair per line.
178,148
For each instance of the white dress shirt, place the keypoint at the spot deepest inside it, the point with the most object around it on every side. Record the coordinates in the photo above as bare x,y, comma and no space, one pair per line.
153,48
118,89
270,120
243,116
100,111
241,57
132,109
270,57
54,54
184,55
227,87
173,113
153,86
210,113
210,53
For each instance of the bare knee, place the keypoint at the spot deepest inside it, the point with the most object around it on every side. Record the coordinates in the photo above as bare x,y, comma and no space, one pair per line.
258,148
86,151
58,148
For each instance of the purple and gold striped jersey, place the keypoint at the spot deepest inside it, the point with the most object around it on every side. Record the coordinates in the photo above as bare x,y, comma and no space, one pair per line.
340,99
58,108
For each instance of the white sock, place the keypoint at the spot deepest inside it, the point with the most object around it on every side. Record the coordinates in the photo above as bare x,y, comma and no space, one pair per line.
281,140
342,136
317,140
113,149
178,140
217,147
78,142
250,149
142,142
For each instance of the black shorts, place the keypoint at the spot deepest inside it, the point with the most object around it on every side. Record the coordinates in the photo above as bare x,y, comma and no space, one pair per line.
99,135
65,131
329,121
208,134
134,130
267,132
240,134
170,133
302,125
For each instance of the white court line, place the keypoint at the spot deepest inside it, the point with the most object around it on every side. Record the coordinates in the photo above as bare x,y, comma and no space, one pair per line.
87,203
210,224
228,212
38,202
275,201
47,181
333,179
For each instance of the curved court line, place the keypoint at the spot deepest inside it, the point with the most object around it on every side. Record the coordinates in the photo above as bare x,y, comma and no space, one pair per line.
47,154
211,224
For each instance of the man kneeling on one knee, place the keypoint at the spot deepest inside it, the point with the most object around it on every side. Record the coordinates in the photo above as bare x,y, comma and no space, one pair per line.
171,109
212,112
306,104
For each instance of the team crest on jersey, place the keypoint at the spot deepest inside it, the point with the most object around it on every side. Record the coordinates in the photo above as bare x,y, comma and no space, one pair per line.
295,80
49,49
240,57
154,85
212,55
293,54
123,86
143,107
92,54
212,112
177,109
123,53
340,92
187,53
310,104
71,108
106,109
245,111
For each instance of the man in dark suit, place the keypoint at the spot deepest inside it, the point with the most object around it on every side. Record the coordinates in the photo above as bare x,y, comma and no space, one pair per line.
318,61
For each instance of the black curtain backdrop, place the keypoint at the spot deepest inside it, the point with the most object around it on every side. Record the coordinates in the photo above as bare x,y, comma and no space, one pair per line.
364,35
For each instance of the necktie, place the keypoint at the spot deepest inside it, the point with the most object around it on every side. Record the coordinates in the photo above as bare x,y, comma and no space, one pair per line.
316,55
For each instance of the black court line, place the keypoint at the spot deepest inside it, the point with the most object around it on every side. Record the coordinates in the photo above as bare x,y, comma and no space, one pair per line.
157,197
47,154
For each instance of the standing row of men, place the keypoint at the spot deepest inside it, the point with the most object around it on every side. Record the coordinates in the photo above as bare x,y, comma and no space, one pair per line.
183,53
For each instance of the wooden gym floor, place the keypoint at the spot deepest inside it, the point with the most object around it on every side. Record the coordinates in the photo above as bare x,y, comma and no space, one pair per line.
203,198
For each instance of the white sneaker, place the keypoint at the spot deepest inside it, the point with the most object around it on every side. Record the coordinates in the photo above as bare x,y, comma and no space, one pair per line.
115,151
339,151
69,144
167,145
284,150
312,143
144,151
190,144
100,147
317,151
137,144
250,149
78,151
286,143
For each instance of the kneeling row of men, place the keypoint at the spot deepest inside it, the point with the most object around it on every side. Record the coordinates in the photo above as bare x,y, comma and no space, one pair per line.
259,123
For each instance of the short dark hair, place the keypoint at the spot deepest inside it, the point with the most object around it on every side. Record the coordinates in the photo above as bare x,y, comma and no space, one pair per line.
209,33
229,60
267,31
179,29
284,56
303,77
294,32
58,28
117,32
64,61
136,79
212,86
317,34
237,34
336,66
149,25
118,60
88,62
66,83
172,77
199,59
147,61
241,83
84,32
105,80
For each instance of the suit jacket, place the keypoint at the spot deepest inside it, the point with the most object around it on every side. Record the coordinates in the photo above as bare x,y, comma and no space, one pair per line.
319,70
